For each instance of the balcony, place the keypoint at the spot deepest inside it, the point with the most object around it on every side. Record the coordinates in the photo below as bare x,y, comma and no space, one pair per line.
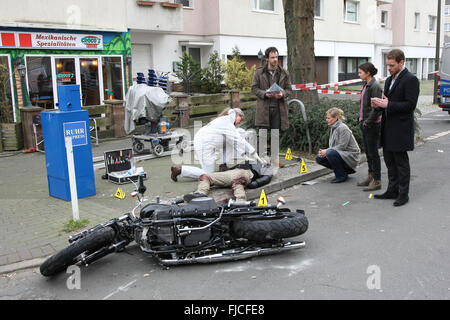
156,16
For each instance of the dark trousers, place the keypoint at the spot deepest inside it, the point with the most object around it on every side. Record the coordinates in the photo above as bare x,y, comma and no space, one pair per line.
275,117
399,172
334,161
371,139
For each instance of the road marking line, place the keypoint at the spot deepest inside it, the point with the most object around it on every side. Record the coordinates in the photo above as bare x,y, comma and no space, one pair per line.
433,119
437,135
121,288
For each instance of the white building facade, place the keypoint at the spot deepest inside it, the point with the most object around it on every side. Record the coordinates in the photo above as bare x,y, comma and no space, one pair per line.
347,33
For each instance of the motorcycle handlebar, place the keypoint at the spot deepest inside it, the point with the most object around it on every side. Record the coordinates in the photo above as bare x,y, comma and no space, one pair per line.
141,188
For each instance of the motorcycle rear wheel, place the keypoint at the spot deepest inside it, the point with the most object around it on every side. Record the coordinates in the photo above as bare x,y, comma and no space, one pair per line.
68,256
292,225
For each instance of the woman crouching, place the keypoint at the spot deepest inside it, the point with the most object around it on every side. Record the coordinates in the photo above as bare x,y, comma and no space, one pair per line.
343,153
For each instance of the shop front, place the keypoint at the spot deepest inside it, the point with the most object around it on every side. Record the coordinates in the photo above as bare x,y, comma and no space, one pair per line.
37,63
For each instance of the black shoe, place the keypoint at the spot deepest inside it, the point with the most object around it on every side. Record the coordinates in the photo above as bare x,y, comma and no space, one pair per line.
188,197
175,171
339,180
386,195
401,201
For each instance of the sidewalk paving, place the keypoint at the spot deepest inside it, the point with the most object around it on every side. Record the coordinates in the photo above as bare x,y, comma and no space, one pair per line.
32,222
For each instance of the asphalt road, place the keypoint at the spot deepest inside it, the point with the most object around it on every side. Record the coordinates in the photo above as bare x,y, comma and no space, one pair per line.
357,247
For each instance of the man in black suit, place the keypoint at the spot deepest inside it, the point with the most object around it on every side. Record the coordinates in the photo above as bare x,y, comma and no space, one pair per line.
401,93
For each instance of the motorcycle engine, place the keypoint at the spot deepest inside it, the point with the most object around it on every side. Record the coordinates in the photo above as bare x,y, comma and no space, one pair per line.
171,232
195,238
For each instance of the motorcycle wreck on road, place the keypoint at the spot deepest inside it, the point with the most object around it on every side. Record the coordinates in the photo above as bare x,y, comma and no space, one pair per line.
178,233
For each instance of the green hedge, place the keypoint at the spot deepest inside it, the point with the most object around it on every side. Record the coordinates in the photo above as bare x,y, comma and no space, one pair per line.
296,139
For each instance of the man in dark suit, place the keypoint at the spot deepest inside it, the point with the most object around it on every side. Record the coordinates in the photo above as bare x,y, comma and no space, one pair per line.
401,93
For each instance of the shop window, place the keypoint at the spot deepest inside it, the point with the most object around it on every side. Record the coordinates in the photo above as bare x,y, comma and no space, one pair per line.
112,78
40,82
6,105
90,87
65,71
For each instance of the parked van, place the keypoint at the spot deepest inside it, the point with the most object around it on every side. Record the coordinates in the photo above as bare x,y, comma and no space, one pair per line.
444,79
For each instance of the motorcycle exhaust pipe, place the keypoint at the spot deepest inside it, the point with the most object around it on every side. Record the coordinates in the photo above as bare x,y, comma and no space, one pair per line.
231,256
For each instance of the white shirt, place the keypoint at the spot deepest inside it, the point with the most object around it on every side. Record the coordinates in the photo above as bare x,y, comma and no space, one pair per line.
395,78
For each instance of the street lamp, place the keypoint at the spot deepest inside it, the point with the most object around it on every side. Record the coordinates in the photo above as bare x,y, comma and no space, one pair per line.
261,57
22,70
438,49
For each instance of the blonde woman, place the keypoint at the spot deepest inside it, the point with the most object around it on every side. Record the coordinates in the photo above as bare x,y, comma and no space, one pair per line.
343,153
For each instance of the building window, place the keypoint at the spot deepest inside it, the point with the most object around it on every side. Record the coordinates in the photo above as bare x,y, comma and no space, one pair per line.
351,13
447,11
6,101
411,64
447,27
384,19
348,67
318,8
263,5
432,23
112,77
40,81
416,21
431,68
186,3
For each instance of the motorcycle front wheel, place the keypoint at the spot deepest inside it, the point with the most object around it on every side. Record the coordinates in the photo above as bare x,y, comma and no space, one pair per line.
68,256
292,224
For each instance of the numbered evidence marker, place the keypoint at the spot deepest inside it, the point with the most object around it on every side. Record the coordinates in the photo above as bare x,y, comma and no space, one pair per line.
288,155
120,194
303,168
262,200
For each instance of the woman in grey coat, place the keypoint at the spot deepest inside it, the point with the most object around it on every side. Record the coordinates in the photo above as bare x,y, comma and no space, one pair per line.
343,153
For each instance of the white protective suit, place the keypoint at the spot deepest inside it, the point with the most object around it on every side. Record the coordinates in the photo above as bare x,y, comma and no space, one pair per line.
219,140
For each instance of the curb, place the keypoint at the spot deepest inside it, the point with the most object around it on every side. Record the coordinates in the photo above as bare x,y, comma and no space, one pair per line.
288,183
26,264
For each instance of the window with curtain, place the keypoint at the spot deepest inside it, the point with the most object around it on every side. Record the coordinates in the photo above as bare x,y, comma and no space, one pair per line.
351,11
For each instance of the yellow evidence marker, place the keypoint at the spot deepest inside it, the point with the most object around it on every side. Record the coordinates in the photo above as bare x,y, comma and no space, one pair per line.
303,168
262,200
288,155
120,194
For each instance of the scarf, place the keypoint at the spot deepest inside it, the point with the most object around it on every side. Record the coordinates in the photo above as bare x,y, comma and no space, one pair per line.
333,127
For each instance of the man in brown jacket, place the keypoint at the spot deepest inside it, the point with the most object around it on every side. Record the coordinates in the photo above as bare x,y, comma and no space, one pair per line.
271,108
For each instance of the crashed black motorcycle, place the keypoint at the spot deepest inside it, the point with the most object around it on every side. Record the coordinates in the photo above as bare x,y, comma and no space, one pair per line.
199,231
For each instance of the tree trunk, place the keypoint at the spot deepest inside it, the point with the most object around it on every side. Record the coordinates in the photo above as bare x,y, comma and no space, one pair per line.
299,24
